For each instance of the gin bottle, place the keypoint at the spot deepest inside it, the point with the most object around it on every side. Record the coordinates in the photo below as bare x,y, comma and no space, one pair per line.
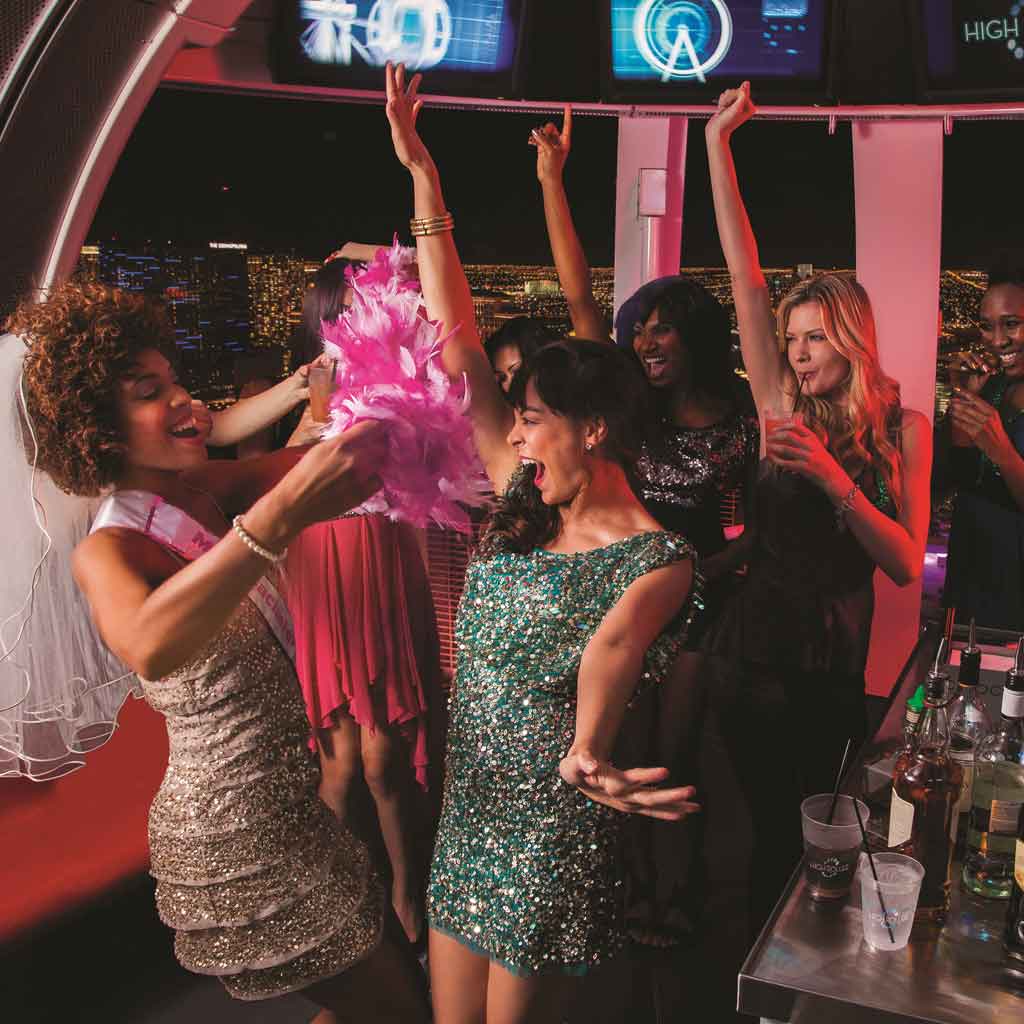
998,795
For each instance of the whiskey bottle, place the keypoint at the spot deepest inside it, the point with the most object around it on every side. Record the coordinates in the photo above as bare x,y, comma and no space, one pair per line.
924,791
998,795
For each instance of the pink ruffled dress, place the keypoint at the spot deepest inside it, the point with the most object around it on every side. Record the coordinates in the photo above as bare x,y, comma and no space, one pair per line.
365,634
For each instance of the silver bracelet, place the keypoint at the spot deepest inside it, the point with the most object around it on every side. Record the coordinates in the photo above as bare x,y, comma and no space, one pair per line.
846,505
254,545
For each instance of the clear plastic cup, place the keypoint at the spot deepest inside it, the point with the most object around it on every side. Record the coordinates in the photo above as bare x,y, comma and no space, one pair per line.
830,849
321,384
775,417
898,886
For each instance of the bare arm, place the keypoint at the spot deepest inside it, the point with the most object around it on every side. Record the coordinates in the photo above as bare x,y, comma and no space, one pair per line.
758,338
896,546
156,617
573,271
609,672
249,416
445,288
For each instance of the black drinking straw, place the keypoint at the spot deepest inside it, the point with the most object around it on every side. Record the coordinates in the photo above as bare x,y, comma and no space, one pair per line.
874,873
839,778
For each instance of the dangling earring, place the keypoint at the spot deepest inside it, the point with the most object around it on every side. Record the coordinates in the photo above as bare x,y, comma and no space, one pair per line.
589,447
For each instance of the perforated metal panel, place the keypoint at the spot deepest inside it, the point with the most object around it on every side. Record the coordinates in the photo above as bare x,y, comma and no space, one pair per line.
18,22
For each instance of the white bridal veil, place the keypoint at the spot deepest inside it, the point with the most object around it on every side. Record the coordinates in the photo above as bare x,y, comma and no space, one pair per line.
60,689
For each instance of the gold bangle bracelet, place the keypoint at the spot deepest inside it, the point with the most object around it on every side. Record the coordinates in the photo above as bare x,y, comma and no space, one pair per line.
420,225
440,229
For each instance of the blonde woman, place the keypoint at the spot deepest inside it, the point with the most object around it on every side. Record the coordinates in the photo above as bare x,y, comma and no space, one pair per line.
844,489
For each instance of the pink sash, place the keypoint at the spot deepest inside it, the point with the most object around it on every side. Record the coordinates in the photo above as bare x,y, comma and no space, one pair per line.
169,526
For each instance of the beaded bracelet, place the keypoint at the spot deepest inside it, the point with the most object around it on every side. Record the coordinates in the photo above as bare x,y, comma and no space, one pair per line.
846,505
420,226
254,545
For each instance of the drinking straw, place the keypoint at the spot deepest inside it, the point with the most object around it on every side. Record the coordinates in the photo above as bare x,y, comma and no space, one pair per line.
874,873
839,778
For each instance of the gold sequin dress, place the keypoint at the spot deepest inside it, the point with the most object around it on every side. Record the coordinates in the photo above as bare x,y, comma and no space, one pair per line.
263,886
526,870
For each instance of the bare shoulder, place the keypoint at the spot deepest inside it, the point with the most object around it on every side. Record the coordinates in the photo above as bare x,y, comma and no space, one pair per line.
913,425
122,551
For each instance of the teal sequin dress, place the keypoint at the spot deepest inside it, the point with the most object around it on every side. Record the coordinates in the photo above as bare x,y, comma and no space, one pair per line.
526,869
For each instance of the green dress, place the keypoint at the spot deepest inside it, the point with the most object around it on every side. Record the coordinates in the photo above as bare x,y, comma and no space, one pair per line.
526,869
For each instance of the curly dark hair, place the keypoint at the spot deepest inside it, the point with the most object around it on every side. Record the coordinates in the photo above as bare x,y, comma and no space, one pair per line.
81,339
580,380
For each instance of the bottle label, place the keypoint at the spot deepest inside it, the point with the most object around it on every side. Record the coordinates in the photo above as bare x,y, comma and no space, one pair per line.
1018,863
1004,817
1013,704
962,804
901,820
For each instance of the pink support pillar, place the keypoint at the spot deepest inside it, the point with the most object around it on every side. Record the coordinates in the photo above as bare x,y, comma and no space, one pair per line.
898,196
648,246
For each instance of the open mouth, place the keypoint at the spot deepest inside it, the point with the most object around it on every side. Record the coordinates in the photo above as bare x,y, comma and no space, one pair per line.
538,469
186,429
654,365
1008,358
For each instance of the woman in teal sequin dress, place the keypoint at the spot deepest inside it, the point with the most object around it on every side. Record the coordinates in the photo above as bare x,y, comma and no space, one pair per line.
575,600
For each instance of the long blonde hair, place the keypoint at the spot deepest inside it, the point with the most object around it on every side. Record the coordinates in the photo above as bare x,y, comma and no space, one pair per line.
860,422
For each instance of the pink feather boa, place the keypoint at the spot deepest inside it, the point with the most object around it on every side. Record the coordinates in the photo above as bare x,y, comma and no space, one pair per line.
389,369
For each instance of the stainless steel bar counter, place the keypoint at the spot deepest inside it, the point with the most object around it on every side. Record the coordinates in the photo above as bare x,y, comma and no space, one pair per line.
811,964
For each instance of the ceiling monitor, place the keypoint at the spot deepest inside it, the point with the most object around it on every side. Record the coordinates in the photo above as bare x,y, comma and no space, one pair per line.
968,50
688,51
463,47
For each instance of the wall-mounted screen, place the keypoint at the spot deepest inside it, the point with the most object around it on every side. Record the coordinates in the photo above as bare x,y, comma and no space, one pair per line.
676,51
969,49
463,47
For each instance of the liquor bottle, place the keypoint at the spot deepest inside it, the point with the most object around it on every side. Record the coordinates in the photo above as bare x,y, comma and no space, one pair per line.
938,677
998,794
969,724
923,794
1013,937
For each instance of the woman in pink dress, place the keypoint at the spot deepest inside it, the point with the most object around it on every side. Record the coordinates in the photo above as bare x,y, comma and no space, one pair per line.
366,652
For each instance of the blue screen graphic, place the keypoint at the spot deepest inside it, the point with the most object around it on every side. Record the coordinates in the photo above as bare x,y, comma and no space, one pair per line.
472,36
679,42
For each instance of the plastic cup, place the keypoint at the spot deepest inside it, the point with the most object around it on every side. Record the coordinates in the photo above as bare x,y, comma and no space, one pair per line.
830,850
321,384
775,418
899,883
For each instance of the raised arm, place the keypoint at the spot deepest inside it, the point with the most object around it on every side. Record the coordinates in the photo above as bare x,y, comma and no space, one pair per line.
758,338
573,271
156,618
445,288
249,416
608,676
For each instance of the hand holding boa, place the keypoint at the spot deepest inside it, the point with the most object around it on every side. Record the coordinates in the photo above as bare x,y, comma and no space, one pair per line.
389,369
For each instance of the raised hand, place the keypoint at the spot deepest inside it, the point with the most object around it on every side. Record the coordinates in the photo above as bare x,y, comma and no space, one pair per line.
335,476
797,448
403,108
734,108
629,791
553,147
978,422
970,371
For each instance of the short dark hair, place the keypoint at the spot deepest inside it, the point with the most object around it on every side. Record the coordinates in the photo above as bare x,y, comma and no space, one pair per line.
324,299
526,333
1007,268
580,380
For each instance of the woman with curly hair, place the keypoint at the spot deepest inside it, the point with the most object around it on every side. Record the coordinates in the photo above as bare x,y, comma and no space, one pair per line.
263,886
843,492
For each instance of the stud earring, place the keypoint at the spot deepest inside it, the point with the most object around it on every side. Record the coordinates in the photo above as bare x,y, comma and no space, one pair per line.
589,447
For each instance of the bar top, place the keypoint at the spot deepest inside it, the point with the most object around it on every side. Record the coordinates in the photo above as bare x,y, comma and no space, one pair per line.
811,962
